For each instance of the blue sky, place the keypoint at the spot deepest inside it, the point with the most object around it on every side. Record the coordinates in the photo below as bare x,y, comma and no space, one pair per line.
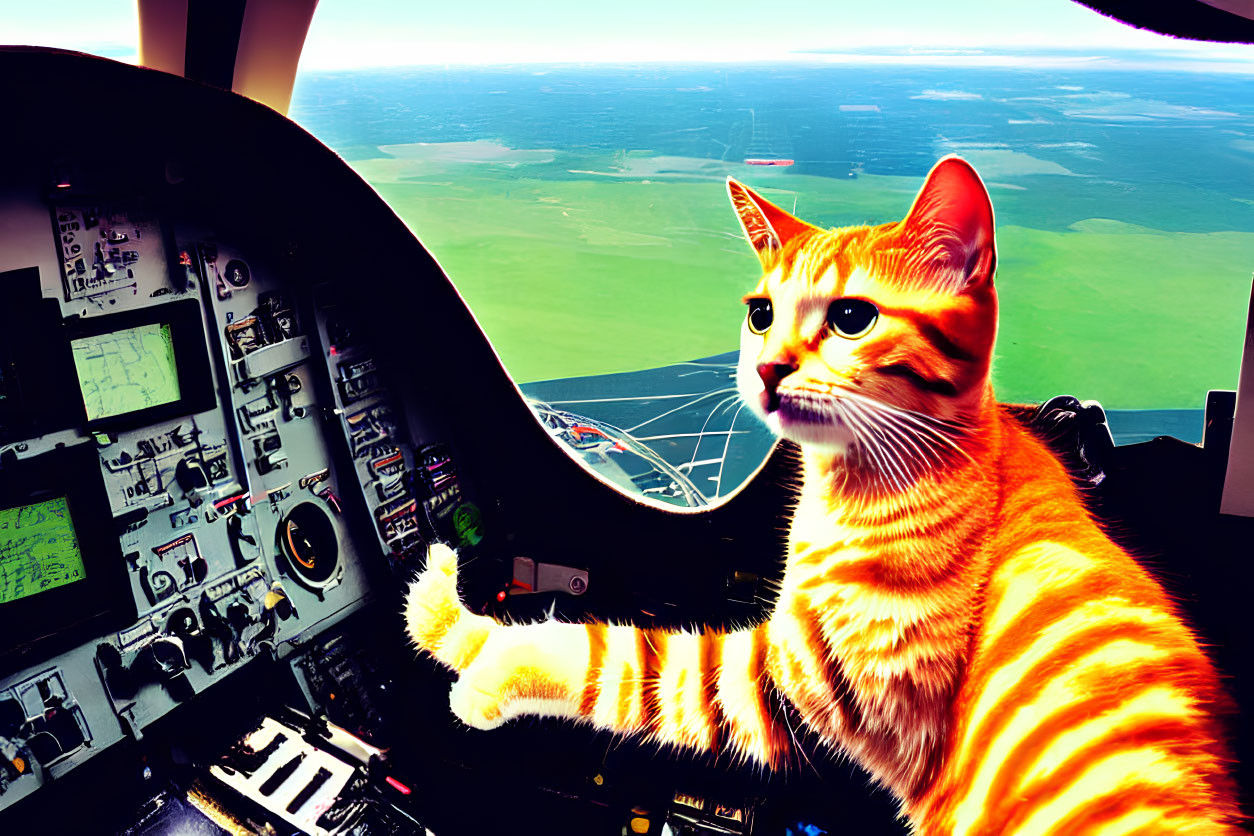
360,33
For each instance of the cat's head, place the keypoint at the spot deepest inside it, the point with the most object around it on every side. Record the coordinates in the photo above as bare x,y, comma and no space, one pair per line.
873,338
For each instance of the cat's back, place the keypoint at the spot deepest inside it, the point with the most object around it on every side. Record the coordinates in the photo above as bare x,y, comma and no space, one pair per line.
1085,699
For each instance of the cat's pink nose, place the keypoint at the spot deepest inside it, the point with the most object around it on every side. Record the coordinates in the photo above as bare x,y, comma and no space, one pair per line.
773,373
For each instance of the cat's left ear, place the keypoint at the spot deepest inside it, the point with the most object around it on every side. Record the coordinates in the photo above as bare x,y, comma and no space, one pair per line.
952,222
767,227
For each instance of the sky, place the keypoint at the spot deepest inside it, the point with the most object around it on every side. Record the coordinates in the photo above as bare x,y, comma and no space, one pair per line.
348,34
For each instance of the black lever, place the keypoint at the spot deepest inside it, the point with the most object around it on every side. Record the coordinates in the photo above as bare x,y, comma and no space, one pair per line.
281,774
235,530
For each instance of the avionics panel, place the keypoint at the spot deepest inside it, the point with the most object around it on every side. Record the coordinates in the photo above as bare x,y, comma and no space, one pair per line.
98,373
39,549
141,366
126,371
112,253
61,567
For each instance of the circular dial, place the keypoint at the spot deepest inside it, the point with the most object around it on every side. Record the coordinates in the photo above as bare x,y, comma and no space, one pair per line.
237,274
307,540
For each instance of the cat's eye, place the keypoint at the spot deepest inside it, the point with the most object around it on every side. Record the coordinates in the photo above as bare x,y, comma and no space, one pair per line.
760,315
852,318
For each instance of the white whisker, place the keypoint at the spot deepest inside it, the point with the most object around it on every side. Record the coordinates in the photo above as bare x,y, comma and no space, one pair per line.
904,437
868,444
925,427
910,434
895,461
890,435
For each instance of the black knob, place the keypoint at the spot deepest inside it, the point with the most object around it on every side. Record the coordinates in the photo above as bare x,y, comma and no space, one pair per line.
237,616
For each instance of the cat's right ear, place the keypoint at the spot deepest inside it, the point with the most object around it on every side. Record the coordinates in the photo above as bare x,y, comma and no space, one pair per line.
767,227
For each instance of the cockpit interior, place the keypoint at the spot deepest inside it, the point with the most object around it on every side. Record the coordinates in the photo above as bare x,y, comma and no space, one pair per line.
238,401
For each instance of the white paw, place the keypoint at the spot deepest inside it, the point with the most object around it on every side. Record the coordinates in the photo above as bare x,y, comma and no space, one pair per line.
432,604
442,559
474,706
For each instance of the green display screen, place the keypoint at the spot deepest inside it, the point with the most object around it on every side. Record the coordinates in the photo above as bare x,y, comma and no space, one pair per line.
38,549
126,371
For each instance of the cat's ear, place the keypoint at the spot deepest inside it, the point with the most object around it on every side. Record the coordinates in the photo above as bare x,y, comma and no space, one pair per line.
951,221
767,227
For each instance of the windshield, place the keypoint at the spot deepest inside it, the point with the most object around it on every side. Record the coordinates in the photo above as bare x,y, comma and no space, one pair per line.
109,28
580,208
566,165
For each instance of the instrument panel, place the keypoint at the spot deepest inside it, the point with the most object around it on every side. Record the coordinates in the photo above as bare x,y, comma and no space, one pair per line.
213,423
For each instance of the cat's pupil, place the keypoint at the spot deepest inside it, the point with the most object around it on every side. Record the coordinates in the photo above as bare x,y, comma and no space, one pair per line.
760,315
851,317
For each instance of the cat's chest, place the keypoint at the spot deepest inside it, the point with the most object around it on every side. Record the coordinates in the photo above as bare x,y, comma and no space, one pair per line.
827,551
886,599
890,612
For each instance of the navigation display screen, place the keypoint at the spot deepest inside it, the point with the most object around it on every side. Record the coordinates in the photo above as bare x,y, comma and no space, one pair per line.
38,549
126,371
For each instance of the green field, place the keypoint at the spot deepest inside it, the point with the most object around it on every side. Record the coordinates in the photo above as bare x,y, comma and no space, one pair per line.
587,263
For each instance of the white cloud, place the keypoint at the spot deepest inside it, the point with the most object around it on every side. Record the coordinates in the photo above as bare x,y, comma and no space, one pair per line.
947,95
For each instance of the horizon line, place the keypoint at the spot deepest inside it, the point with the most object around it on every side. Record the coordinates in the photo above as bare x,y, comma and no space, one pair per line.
1181,55
1189,57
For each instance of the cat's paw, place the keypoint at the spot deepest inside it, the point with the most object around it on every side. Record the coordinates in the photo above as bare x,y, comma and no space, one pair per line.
432,605
475,705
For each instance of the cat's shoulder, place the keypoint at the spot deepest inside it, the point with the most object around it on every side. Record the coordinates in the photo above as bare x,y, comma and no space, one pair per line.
1051,582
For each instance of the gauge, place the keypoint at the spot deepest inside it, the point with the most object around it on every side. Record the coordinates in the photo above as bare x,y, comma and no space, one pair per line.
307,541
237,274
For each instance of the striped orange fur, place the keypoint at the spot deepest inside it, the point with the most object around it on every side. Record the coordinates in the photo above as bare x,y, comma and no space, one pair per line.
950,616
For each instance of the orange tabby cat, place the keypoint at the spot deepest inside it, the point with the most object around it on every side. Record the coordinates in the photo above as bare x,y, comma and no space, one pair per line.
950,616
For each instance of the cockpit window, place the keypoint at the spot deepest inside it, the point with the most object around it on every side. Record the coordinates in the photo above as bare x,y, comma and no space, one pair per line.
108,28
567,169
